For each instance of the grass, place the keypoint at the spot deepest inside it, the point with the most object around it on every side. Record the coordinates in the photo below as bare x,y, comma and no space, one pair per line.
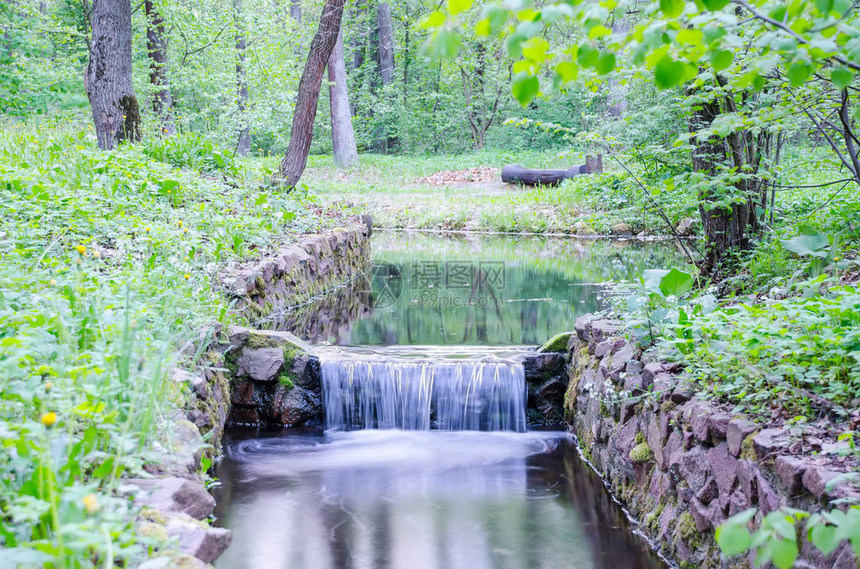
108,265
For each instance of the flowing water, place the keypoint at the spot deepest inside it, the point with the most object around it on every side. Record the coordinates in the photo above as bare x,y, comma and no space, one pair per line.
425,462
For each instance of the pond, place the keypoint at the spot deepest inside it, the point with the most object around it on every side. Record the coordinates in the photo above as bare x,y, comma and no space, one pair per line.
428,289
415,358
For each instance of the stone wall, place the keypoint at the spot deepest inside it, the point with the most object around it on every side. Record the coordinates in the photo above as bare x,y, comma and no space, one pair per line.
240,376
682,465
299,273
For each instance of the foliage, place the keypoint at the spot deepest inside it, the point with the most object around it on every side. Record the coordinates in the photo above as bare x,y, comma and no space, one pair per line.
775,540
108,265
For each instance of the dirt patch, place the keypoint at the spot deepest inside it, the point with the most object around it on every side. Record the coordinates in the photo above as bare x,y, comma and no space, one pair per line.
470,175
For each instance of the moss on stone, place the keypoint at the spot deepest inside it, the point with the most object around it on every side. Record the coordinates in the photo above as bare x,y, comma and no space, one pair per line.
641,453
557,343
284,379
640,438
747,449
153,531
666,406
688,531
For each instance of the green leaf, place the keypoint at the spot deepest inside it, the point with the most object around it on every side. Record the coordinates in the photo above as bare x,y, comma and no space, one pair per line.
525,87
733,539
841,77
809,243
825,538
798,73
672,8
668,73
783,553
567,71
676,283
606,63
535,49
447,44
714,5
721,59
688,36
651,279
587,56
457,6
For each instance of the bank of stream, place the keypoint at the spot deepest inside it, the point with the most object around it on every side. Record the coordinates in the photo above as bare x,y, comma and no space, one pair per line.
423,457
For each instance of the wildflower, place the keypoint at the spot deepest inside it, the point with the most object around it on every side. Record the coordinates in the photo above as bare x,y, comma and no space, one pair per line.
146,229
97,254
53,282
91,503
185,230
80,249
187,258
48,419
49,385
179,223
187,276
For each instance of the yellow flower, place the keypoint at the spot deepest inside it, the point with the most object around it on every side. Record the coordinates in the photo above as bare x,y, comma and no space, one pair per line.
185,231
187,276
91,503
146,229
179,223
49,385
97,254
53,282
48,419
80,249
187,258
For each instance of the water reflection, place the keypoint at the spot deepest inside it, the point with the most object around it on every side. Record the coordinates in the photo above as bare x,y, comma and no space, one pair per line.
489,290
418,500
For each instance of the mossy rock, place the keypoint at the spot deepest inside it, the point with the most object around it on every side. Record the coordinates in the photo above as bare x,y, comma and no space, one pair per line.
557,344
641,453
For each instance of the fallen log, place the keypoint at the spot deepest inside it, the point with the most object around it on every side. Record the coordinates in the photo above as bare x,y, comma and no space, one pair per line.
516,174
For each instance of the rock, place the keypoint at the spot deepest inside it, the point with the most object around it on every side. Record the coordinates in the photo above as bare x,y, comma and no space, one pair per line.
790,471
174,561
619,361
724,468
541,367
768,441
174,495
261,364
768,500
582,228
708,492
627,437
557,343
582,326
660,486
651,370
243,394
700,423
621,229
633,384
672,451
685,227
683,392
602,349
294,406
663,383
693,467
736,432
738,502
203,542
747,480
603,329
816,477
718,425
706,517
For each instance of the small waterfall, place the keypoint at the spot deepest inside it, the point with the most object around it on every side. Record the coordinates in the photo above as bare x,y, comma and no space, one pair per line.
411,394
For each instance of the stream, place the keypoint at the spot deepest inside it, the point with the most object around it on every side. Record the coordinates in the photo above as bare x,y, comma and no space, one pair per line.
425,460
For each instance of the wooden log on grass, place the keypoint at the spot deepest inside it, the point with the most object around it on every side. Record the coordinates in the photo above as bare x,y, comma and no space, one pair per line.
516,174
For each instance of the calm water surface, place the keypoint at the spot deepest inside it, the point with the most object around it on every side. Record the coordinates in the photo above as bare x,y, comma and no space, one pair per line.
428,289
306,499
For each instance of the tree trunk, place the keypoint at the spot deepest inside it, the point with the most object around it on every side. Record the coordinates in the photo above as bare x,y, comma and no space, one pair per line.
294,162
386,43
243,145
116,112
296,10
156,45
342,135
